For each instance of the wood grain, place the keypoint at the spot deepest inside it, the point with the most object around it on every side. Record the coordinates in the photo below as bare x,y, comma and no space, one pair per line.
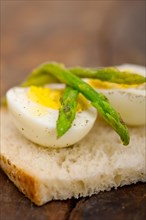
14,205
128,202
88,33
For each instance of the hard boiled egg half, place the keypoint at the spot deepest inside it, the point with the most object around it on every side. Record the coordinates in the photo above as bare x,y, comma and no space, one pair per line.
35,111
128,100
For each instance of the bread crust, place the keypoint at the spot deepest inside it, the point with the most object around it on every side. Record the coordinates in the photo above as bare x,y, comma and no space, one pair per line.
26,183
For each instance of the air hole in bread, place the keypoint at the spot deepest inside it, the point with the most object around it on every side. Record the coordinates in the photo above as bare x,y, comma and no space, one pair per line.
117,179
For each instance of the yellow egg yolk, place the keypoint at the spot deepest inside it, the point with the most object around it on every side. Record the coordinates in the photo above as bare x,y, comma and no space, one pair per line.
50,98
96,83
45,96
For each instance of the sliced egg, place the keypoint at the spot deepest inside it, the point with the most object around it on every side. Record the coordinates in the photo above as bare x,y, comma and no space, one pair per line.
35,111
129,101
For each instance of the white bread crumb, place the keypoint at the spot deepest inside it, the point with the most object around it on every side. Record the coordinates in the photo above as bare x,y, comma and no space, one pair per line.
97,163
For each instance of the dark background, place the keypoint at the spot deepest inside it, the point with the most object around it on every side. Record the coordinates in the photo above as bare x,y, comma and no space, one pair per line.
88,33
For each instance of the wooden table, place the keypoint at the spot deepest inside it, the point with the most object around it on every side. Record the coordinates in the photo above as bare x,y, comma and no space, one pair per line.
88,33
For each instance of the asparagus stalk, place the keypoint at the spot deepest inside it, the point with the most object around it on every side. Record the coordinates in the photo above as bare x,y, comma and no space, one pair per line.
4,101
40,76
98,100
67,111
109,74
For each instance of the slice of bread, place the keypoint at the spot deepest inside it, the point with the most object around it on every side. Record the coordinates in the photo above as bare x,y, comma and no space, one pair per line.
99,162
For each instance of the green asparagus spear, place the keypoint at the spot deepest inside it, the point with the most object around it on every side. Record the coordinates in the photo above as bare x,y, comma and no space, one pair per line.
98,100
40,76
67,111
3,101
109,74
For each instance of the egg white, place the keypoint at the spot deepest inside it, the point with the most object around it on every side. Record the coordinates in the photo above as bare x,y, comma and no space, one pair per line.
38,123
129,102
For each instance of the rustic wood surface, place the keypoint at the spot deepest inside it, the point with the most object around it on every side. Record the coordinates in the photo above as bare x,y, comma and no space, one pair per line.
88,33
